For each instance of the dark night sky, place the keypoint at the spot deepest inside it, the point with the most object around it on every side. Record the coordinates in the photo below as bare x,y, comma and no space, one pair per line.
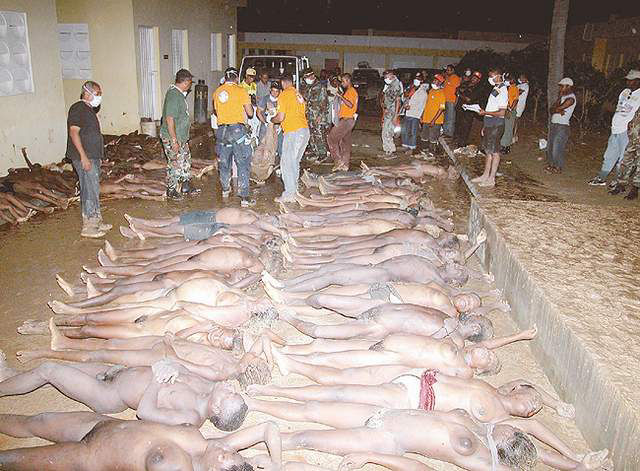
341,16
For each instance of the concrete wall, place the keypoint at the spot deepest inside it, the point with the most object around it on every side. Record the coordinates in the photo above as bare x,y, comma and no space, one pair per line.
111,37
36,120
200,18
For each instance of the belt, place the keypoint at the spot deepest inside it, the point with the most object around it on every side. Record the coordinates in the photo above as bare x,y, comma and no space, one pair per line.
234,124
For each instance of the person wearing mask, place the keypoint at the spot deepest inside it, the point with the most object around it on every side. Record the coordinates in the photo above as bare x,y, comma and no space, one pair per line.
510,115
263,87
523,94
291,115
433,114
493,127
391,102
451,84
174,134
324,77
628,104
232,106
317,109
339,139
468,94
414,107
266,108
249,84
559,129
334,102
466,77
85,149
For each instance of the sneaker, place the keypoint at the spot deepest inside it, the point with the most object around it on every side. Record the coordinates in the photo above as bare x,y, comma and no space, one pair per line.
173,195
247,203
103,226
597,181
283,199
617,189
225,194
91,230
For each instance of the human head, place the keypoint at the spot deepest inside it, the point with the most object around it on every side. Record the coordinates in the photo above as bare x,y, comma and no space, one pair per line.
475,328
437,82
334,81
220,457
466,302
449,70
566,85
454,274
286,82
521,400
418,79
323,74
514,448
91,93
522,78
184,79
345,80
389,76
309,75
275,89
482,360
250,75
226,408
633,79
467,73
476,77
495,76
231,75
264,77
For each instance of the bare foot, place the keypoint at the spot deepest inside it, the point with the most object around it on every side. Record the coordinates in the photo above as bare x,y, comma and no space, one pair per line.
268,278
25,356
110,251
5,370
92,292
128,218
33,327
61,308
94,271
280,361
128,233
104,259
57,339
138,234
479,179
273,293
65,285
257,390
489,183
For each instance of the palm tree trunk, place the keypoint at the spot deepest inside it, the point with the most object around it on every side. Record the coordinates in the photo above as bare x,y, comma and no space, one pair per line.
556,49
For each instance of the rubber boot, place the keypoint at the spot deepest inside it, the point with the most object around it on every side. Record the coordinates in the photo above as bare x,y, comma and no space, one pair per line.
633,193
91,229
617,189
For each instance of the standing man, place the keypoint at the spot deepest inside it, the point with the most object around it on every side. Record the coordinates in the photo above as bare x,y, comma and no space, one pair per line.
433,115
174,134
560,126
493,127
628,104
414,107
232,105
468,94
510,115
249,84
85,148
317,100
262,87
629,168
391,102
523,93
339,139
291,115
451,84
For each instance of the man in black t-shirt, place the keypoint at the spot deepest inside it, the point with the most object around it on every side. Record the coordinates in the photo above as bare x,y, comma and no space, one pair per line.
85,148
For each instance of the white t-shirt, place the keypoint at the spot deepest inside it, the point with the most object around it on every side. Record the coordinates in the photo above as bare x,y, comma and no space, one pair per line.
628,103
558,118
417,101
498,98
522,98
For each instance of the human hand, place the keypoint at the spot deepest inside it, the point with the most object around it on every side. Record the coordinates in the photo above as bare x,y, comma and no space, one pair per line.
175,146
596,460
482,131
86,163
566,410
165,371
482,113
353,461
530,334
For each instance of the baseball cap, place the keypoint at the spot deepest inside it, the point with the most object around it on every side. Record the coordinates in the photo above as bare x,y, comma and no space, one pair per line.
438,77
633,75
250,71
276,84
566,81
308,72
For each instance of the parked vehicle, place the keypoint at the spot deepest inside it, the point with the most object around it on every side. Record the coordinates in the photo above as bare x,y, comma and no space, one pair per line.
367,82
276,66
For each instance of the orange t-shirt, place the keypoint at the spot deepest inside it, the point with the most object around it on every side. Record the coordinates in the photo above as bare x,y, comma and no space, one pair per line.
451,84
229,100
435,103
291,103
513,95
345,111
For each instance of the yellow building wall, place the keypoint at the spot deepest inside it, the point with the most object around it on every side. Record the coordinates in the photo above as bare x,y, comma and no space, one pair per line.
113,59
36,120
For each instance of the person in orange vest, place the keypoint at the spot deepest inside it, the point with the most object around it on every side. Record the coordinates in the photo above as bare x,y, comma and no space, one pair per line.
451,83
510,115
433,115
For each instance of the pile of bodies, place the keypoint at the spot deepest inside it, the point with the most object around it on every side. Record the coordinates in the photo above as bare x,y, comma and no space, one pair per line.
134,166
395,344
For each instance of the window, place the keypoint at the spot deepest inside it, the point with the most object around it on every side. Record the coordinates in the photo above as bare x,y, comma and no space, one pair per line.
16,75
75,51
231,50
180,49
216,51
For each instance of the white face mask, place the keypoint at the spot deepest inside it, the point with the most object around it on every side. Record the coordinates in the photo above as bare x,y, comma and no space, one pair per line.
388,81
272,98
435,86
417,82
491,81
520,81
309,81
95,99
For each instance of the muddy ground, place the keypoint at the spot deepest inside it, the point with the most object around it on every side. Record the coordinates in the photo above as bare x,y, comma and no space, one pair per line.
33,253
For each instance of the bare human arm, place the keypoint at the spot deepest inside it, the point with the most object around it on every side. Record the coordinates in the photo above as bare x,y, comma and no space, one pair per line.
278,118
148,409
492,344
562,408
261,116
266,432
74,133
559,109
248,109
171,127
394,463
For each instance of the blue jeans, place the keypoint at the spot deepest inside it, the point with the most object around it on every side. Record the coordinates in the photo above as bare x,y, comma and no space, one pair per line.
557,145
449,119
232,145
293,147
89,188
614,153
410,128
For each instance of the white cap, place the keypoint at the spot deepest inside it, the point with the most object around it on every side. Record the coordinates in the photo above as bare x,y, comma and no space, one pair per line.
566,81
633,75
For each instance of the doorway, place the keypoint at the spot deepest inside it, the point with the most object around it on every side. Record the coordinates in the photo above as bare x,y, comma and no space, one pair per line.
150,106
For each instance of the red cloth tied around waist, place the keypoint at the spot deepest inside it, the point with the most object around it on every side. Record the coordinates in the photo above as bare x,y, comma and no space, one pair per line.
427,394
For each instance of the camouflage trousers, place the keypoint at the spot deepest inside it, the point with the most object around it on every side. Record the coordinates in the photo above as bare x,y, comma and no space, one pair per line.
318,140
388,126
178,164
629,169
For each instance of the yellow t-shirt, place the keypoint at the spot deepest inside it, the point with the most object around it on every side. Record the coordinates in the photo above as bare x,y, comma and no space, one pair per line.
251,89
451,84
229,100
291,103
345,111
513,95
435,103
